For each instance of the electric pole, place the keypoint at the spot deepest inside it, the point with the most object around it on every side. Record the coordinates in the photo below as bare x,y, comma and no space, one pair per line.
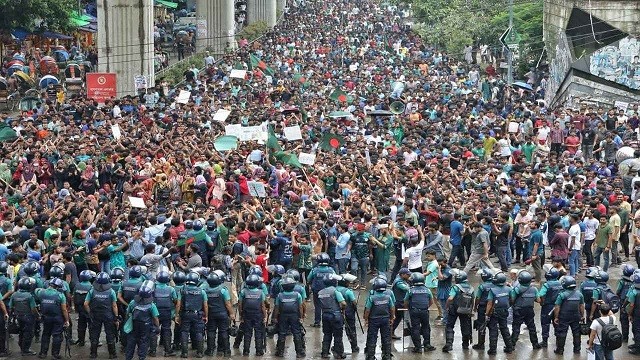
510,51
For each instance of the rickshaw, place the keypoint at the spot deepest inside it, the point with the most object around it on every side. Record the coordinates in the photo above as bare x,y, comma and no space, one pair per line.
23,81
4,92
73,79
15,68
48,66
30,101
61,56
47,80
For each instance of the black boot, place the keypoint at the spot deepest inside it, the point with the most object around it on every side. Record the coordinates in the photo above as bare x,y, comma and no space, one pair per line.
480,344
325,351
560,340
112,350
465,342
533,337
576,345
298,343
168,351
544,343
93,351
280,346
199,349
184,349
493,345
211,343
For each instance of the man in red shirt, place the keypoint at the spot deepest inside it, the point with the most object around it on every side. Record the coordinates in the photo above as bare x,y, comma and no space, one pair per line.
243,234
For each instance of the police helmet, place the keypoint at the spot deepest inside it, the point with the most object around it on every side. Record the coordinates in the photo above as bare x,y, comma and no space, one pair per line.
211,225
223,275
636,280
163,277
4,267
135,272
379,284
188,224
255,270
323,259
26,283
524,278
253,281
417,278
459,276
31,268
330,280
57,282
552,274
56,272
592,272
117,274
87,275
627,271
294,274
486,274
103,278
499,279
146,289
179,277
601,277
568,282
276,269
192,279
214,280
197,225
288,283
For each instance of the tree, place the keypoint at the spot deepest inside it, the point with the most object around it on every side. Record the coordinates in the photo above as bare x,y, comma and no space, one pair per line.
34,15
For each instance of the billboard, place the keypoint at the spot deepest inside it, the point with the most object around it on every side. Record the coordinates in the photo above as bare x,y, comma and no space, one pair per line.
101,86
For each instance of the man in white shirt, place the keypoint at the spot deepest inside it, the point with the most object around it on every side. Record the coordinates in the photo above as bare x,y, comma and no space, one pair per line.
413,256
575,244
591,225
606,317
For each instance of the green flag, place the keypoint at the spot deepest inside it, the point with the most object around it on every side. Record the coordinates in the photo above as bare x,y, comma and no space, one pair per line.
331,142
184,241
287,158
255,62
339,95
272,142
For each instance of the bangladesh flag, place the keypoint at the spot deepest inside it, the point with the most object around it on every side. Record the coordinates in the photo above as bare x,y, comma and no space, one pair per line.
299,78
184,241
288,158
272,141
255,62
339,95
331,142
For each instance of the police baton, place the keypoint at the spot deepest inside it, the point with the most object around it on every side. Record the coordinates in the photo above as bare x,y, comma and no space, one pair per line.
355,310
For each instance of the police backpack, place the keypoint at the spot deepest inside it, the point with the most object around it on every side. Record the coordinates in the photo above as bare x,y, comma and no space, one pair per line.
610,298
464,301
611,337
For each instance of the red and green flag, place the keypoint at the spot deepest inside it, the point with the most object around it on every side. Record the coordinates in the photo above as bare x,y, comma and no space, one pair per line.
256,63
331,142
299,78
339,95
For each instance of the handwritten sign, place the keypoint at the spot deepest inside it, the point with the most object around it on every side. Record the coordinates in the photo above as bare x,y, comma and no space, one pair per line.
221,115
238,74
115,130
306,158
183,97
137,202
257,189
293,133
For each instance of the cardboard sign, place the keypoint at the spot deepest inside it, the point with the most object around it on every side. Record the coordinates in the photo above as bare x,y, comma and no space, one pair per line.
306,158
293,133
238,74
513,127
221,115
257,189
115,130
183,97
233,130
101,86
137,202
140,82
621,105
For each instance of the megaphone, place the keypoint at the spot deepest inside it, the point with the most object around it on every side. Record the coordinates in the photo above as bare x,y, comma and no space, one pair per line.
397,107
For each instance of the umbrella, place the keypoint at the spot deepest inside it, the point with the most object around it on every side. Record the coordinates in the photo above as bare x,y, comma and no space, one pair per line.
339,114
380,113
19,58
61,55
47,80
522,85
23,76
290,110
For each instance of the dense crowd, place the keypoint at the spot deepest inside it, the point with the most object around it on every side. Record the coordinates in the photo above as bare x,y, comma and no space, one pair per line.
467,171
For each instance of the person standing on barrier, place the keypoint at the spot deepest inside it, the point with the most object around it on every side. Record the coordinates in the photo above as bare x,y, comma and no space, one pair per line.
418,300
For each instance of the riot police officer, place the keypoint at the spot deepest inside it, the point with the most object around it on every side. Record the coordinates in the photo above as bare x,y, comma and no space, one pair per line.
568,313
102,308
179,278
299,288
253,270
192,314
6,289
599,293
379,314
127,292
287,313
418,300
400,287
624,284
587,287
459,306
117,276
144,314
332,303
165,300
481,295
350,309
80,292
547,296
220,311
316,278
523,299
497,312
633,311
53,307
253,314
23,306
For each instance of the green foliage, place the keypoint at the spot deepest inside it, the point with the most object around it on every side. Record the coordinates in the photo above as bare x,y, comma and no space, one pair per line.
175,74
253,31
52,15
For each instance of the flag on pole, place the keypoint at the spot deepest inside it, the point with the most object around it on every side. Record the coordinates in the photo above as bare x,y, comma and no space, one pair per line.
331,142
272,142
255,62
339,95
288,158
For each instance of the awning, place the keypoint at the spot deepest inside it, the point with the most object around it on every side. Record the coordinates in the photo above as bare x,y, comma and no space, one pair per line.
78,22
54,35
89,28
19,33
168,4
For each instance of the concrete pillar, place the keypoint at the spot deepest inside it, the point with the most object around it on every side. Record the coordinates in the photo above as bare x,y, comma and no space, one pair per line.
261,10
280,5
215,23
125,41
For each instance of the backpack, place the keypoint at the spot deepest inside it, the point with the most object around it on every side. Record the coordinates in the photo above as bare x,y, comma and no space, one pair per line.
611,299
464,301
611,337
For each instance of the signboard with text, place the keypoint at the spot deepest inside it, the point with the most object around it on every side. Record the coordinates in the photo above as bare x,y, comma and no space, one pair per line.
101,86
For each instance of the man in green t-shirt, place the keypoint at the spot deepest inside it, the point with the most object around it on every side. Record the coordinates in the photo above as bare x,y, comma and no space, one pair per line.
604,238
80,252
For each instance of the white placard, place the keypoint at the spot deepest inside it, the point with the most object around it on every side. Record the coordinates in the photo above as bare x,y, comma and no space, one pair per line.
183,97
257,189
137,202
306,158
238,74
115,130
233,130
621,105
221,115
140,82
293,133
513,127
